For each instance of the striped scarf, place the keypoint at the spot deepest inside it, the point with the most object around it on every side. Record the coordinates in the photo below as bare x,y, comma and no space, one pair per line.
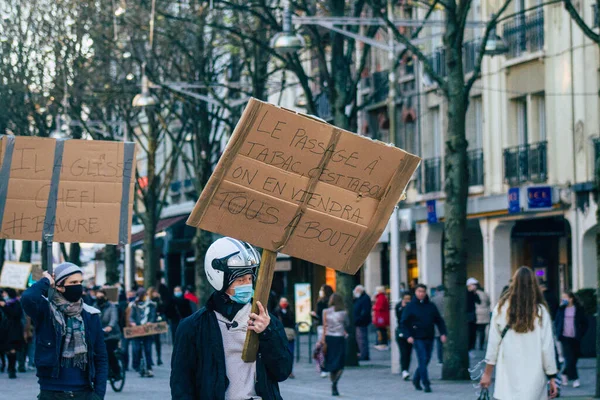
69,323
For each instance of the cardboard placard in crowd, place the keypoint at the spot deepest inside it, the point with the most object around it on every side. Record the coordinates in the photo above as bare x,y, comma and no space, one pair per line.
293,184
155,328
112,294
15,275
76,191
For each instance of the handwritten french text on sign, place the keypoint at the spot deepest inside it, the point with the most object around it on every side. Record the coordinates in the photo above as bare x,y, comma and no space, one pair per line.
89,196
145,330
290,183
15,275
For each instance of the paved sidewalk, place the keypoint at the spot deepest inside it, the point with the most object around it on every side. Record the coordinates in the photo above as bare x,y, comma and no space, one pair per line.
373,380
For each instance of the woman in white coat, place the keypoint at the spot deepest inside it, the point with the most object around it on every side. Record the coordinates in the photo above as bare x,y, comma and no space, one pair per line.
521,343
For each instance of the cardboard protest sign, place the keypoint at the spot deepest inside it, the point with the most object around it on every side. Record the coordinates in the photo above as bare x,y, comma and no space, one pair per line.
71,190
287,182
15,275
156,328
112,294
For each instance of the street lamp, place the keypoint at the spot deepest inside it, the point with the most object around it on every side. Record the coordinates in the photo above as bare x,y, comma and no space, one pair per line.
495,45
144,99
287,42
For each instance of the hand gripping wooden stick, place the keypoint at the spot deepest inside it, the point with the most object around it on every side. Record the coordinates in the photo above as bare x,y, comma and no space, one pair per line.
263,288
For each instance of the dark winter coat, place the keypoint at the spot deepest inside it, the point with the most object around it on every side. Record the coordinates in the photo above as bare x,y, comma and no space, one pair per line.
419,318
11,326
137,313
178,309
48,342
198,362
581,322
286,317
362,310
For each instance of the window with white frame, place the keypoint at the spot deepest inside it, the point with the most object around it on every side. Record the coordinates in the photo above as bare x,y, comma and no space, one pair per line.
474,123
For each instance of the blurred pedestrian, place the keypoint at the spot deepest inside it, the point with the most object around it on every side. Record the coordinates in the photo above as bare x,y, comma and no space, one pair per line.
286,316
160,316
418,321
207,356
143,311
439,299
551,300
521,343
191,296
483,315
381,318
335,323
110,327
178,309
70,353
125,342
12,338
571,324
325,294
362,320
403,345
472,301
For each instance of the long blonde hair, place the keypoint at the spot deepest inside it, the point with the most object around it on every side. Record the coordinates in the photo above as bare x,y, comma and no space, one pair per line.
524,297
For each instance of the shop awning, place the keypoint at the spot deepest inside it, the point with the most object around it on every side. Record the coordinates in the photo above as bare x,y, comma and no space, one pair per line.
163,224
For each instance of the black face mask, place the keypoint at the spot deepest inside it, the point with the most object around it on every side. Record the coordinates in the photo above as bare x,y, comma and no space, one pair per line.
101,301
73,293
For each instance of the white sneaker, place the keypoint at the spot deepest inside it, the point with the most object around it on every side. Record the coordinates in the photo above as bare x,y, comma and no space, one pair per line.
565,380
324,374
405,375
576,383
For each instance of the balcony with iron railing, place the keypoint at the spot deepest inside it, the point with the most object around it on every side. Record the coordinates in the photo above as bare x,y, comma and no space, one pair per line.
524,33
432,175
526,163
475,167
596,20
470,53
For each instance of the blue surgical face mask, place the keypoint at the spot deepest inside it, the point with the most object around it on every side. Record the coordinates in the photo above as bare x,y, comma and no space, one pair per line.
178,294
243,294
565,302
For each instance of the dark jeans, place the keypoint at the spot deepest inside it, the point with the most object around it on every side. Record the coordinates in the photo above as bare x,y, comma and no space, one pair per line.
481,335
362,339
423,348
47,395
472,335
439,346
125,351
291,347
174,325
158,345
113,363
145,343
571,353
383,336
405,353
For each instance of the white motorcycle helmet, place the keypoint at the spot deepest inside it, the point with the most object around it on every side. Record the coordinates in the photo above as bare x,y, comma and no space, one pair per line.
227,259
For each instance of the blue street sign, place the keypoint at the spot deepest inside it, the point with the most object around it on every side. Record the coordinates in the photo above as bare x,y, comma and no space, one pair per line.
431,212
514,201
539,197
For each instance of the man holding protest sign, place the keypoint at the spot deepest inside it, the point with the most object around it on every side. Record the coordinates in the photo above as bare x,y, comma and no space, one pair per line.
70,353
207,358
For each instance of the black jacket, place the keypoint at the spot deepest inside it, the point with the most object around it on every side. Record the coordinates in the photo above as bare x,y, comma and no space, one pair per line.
11,326
286,318
48,344
198,362
178,309
419,318
362,310
581,322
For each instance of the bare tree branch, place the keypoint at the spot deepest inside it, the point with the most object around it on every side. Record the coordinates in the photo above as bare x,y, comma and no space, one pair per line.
587,30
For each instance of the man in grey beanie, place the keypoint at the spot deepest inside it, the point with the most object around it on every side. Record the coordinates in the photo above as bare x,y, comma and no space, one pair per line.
70,353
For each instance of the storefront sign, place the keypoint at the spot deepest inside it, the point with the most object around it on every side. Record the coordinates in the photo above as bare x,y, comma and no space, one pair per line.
539,197
514,201
431,212
302,300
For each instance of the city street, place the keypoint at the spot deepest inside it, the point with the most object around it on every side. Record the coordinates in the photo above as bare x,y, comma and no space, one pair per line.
373,380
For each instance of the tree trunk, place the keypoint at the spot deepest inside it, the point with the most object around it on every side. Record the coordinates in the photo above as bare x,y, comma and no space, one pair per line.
26,248
201,242
111,261
598,282
456,357
344,285
152,203
149,251
75,254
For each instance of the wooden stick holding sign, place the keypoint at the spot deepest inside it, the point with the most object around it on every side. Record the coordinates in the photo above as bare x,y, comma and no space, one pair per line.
289,183
263,288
